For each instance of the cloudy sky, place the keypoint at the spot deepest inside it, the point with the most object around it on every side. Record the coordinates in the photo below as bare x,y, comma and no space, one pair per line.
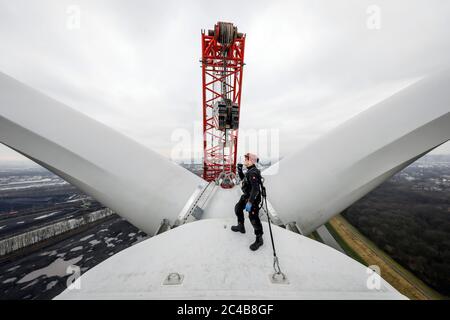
310,65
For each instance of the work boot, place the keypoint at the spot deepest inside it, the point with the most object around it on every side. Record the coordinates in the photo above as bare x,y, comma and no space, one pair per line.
239,228
258,243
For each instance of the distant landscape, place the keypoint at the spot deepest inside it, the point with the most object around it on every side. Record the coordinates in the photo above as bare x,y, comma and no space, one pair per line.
31,198
408,217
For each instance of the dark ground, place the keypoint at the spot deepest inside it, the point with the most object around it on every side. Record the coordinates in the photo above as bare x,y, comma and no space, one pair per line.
408,217
33,197
18,276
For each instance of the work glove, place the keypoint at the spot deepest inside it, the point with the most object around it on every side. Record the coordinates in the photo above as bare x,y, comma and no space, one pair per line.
248,207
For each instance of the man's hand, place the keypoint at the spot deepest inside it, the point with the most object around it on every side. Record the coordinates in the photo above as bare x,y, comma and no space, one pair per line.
248,207
239,166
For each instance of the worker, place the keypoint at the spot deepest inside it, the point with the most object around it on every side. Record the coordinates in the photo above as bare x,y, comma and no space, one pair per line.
250,200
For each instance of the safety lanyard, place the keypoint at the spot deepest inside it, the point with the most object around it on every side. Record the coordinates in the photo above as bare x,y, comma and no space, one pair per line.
276,263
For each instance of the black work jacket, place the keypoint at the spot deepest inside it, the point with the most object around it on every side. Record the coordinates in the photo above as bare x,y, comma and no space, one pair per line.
251,182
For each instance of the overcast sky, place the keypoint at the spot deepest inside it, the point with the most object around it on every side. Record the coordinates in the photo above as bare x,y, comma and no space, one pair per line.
134,65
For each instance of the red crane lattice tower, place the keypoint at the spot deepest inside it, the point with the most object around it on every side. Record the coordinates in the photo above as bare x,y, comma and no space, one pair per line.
222,71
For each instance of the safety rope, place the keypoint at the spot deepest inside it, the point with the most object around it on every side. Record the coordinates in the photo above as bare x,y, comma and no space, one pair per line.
276,263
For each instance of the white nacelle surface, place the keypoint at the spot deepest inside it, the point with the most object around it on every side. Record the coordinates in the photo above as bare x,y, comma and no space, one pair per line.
216,263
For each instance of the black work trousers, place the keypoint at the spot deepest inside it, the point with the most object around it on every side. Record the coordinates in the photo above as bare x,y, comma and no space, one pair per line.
253,215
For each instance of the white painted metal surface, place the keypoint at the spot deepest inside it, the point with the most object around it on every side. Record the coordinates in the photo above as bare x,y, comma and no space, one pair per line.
129,178
319,181
221,203
216,263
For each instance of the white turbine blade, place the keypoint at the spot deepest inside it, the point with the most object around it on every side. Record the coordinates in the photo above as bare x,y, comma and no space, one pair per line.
137,183
317,182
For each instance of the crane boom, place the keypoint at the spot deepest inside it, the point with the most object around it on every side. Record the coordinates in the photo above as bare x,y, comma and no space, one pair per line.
222,71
